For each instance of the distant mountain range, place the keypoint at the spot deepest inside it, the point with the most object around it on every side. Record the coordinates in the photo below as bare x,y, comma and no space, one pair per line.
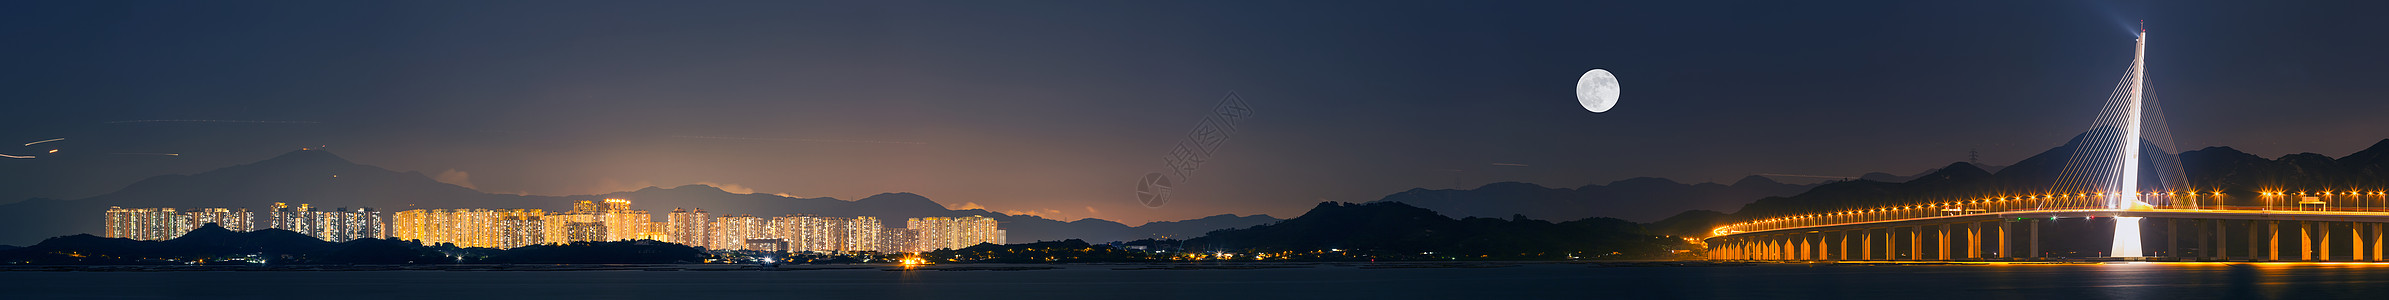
1642,199
325,180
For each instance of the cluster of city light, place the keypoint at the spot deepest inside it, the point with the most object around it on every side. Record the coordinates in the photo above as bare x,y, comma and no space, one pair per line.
588,221
1934,209
164,223
614,220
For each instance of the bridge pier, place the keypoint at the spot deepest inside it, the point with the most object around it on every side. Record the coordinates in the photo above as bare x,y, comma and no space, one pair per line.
2173,237
2322,246
2356,241
1974,240
2004,250
2253,253
1891,250
1941,246
2206,239
1916,242
2034,239
2305,241
1808,251
1775,248
2273,239
1866,244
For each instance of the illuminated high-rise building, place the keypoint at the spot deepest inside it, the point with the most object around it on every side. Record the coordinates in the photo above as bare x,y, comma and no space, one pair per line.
861,234
282,216
954,233
585,206
168,223
147,224
693,228
234,219
410,225
605,220
519,230
577,230
345,224
624,225
655,231
597,221
820,234
475,227
785,228
732,232
336,225
900,240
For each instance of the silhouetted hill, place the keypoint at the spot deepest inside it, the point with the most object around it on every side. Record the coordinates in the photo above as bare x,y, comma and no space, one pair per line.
1644,198
1692,223
215,244
1886,177
1198,227
2215,169
1395,230
324,180
212,243
1062,251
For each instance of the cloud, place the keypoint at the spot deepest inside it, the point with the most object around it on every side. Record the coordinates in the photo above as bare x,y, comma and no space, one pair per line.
458,178
965,206
1091,212
729,187
788,195
1055,214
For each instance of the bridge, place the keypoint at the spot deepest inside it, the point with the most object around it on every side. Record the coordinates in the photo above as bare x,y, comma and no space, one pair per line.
2099,208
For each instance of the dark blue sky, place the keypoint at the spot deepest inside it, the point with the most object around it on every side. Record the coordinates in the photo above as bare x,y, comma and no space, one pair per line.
1057,107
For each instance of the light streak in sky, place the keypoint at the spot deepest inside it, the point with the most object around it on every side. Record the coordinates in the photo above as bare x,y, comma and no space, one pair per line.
212,121
44,141
16,157
796,140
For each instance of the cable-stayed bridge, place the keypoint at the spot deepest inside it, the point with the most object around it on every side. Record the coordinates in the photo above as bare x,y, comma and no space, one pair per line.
2101,206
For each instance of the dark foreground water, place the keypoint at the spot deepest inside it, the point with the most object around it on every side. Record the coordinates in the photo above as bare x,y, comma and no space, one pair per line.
1320,281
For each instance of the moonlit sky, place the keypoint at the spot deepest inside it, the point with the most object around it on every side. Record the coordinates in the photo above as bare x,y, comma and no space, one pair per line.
1058,107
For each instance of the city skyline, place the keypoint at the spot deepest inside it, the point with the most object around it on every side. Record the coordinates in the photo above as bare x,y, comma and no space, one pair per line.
605,220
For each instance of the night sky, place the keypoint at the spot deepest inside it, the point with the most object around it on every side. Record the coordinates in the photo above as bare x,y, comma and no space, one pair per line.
1058,107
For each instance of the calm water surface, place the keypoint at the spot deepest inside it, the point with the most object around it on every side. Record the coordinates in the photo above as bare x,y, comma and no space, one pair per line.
1529,281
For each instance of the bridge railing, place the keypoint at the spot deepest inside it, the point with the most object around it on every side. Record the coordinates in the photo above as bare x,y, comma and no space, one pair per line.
2371,201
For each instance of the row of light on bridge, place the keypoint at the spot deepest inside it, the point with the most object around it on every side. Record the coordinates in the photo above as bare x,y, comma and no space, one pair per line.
1771,220
2321,193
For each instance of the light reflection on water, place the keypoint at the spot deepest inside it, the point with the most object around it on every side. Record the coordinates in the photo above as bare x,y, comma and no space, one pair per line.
2130,281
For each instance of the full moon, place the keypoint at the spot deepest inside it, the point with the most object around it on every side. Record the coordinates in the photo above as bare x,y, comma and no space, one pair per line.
1597,90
